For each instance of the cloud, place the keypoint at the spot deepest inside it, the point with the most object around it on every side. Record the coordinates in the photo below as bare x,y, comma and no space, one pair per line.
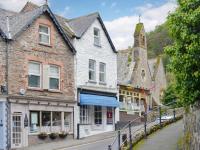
65,11
16,5
113,5
122,29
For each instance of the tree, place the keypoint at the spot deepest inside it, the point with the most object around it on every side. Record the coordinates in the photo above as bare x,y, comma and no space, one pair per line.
184,28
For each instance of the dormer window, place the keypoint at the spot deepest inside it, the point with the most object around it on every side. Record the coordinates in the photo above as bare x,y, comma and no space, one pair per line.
44,35
97,40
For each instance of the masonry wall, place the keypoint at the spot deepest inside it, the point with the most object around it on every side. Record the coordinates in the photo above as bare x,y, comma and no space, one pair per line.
192,128
27,48
2,62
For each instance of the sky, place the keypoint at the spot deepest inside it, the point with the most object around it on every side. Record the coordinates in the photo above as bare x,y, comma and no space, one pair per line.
120,16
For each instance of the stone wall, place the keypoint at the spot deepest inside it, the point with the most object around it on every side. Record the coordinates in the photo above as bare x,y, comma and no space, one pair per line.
191,119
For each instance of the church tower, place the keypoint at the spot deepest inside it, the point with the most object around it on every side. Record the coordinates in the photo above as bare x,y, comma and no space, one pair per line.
139,36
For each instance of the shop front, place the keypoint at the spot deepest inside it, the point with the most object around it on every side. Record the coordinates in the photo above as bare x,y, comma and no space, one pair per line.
30,120
97,114
3,123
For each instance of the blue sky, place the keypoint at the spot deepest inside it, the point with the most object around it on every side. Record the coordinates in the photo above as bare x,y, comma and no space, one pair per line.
109,9
120,16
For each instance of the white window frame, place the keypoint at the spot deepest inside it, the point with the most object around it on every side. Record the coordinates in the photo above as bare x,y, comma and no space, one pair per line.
97,37
101,72
92,70
42,33
40,74
84,119
50,76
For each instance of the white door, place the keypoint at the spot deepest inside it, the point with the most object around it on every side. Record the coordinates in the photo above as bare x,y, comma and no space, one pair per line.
16,131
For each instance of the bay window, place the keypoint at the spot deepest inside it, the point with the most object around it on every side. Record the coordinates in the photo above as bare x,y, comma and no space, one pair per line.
34,74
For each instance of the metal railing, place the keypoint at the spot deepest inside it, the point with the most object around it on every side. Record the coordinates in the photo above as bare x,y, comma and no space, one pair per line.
157,116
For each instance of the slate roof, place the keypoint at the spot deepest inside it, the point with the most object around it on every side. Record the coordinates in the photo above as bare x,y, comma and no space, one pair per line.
12,24
81,24
125,66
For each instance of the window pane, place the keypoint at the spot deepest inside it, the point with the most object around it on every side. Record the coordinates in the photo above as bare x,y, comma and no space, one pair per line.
91,64
102,67
102,77
44,38
97,41
54,71
91,75
56,119
67,119
46,118
109,115
33,81
96,32
34,68
98,114
54,83
43,29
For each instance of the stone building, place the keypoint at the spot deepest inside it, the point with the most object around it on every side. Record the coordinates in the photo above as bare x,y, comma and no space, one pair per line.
36,76
138,82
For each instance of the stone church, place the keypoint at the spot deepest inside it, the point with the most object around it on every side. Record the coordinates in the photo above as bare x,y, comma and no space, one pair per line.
141,81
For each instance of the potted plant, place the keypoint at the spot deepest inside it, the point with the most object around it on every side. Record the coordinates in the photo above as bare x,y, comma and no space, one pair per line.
53,135
42,135
63,135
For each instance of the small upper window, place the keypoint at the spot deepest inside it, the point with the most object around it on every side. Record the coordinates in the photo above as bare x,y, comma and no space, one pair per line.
44,34
97,40
34,75
54,77
143,74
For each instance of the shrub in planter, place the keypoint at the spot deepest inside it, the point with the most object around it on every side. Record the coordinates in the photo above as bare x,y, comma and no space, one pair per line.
53,136
63,135
42,135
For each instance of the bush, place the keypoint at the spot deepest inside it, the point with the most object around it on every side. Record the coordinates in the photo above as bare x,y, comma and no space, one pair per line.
53,136
42,135
63,135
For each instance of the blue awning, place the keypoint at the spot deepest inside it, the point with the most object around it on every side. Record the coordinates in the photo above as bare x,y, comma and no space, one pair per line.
98,100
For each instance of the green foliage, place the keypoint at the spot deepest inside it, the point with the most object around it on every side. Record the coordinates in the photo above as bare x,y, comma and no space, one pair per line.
169,94
157,40
185,52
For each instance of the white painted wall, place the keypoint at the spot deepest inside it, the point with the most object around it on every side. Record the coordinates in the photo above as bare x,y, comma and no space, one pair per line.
3,128
87,50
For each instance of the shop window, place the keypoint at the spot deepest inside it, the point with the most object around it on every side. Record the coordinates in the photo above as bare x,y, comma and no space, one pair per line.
121,98
44,34
102,73
54,77
98,115
46,118
34,75
92,70
109,115
67,119
56,118
34,120
84,114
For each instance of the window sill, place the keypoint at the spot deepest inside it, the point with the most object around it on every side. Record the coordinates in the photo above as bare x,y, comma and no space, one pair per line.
91,81
102,83
44,44
54,91
99,46
35,89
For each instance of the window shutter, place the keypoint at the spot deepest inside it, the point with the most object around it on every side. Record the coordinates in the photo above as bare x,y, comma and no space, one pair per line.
45,76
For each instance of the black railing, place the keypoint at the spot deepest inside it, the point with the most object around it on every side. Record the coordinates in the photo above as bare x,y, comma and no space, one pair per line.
128,134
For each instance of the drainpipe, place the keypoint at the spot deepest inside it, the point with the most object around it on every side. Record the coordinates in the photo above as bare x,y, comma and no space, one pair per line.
6,76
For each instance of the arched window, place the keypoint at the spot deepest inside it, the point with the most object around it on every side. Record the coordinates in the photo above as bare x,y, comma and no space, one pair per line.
143,74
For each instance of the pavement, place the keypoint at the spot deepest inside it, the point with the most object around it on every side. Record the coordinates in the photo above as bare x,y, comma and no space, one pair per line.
165,139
